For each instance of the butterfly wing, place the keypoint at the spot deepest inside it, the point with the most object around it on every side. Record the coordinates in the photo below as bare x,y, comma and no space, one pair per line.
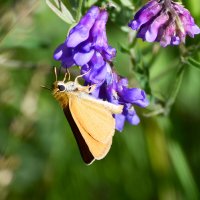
94,117
95,123
88,158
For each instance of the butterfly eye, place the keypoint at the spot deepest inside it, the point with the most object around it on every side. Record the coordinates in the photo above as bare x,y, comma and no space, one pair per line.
61,87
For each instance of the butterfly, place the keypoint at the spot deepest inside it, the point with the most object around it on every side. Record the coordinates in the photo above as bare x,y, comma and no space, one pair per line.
91,120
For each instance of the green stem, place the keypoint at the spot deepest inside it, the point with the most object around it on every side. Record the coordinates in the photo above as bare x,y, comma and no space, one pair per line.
194,63
78,15
175,88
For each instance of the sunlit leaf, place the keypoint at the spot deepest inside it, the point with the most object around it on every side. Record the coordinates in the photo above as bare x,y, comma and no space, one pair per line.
60,10
127,3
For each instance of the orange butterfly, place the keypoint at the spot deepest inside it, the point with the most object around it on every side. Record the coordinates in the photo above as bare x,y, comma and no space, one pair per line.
90,119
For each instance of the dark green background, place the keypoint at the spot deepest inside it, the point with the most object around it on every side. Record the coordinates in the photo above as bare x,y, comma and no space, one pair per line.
39,159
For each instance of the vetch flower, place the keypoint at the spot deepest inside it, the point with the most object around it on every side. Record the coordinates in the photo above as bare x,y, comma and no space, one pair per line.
95,70
87,41
164,21
115,90
87,46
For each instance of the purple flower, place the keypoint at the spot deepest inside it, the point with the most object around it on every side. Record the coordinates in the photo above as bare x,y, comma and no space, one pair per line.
115,90
164,21
87,45
95,70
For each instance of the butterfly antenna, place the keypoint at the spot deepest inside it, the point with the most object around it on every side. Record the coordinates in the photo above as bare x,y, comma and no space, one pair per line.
76,79
45,87
69,75
64,79
55,72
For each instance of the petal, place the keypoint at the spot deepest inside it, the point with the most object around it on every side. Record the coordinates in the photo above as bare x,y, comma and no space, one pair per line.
97,61
132,94
59,52
112,95
65,55
145,14
95,93
98,69
168,34
112,77
109,53
135,96
152,32
175,40
85,46
97,76
123,82
83,58
119,122
132,117
98,31
187,20
195,29
142,31
192,30
81,31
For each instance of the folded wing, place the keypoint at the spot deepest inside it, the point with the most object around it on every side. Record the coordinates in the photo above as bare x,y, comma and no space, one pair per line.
88,158
95,123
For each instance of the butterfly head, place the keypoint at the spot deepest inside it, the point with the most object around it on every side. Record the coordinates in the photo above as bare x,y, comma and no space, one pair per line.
60,86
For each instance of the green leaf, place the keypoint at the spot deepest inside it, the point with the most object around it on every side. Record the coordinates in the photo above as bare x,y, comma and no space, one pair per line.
124,49
89,3
60,10
194,63
183,171
127,3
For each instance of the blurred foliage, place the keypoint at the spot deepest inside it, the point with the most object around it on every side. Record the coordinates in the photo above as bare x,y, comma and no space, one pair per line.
39,159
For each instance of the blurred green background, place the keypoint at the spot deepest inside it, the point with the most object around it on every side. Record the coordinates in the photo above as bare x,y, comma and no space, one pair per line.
39,159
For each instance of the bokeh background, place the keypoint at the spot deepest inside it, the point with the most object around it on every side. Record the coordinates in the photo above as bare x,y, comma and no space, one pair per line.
39,159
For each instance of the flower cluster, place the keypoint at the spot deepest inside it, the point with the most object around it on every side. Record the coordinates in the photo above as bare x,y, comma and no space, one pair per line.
164,21
87,46
115,90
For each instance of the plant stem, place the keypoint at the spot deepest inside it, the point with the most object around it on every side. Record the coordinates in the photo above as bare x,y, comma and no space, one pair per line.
175,88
